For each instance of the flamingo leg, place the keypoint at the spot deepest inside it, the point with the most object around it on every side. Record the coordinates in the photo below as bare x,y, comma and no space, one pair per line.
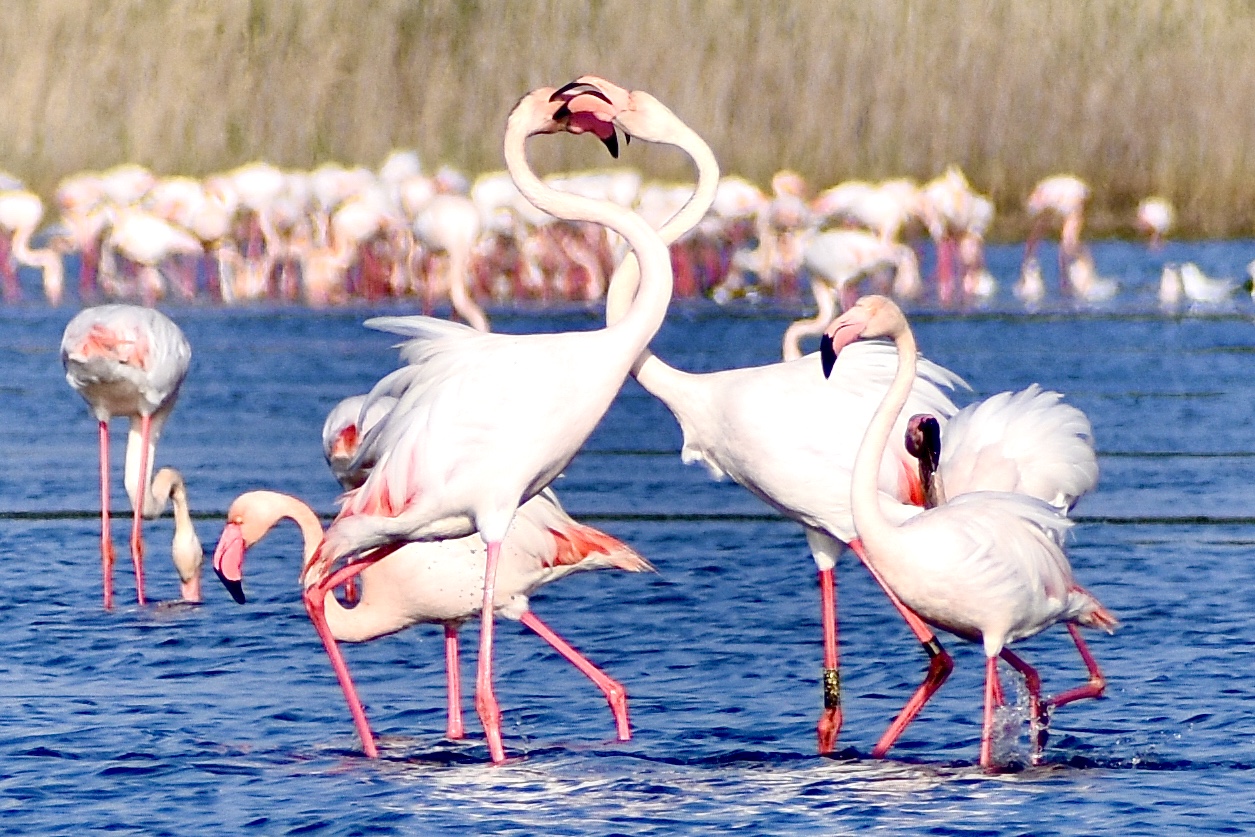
106,537
316,607
454,729
940,664
831,718
993,699
485,700
137,541
1032,681
1093,689
615,694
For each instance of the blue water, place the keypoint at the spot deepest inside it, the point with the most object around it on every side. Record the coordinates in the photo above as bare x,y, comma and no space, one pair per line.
227,719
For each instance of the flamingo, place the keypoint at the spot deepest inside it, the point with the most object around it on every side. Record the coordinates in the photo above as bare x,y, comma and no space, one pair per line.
1155,217
1026,442
125,360
436,583
20,212
486,421
450,224
769,428
987,565
1187,281
1063,196
838,261
148,240
342,432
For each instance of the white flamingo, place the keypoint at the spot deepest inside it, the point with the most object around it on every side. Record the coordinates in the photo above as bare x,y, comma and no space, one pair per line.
786,436
21,213
486,421
987,565
127,361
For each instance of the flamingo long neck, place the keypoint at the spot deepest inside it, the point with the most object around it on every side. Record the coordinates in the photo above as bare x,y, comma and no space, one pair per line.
140,490
646,314
826,299
651,372
357,624
47,259
869,521
185,549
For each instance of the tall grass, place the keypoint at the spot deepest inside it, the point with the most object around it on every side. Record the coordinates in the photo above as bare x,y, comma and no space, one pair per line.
1136,97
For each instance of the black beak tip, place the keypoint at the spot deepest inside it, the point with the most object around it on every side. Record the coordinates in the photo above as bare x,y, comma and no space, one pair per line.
612,144
827,354
234,587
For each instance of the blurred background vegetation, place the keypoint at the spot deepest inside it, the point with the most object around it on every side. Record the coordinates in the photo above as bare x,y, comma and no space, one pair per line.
1135,96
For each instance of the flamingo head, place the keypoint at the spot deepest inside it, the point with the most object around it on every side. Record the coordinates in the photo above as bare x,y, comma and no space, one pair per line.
923,439
248,519
592,104
869,317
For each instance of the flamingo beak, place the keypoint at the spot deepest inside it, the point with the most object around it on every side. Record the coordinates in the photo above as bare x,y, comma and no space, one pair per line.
583,120
827,354
229,561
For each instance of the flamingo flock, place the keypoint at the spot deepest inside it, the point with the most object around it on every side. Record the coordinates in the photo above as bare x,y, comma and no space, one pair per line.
337,234
447,463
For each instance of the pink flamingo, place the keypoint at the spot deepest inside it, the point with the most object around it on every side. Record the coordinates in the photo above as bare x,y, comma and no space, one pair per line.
435,583
127,361
770,428
1062,196
1154,218
20,212
987,565
489,420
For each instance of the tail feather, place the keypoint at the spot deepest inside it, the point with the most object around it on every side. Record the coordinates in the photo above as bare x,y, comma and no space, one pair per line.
579,543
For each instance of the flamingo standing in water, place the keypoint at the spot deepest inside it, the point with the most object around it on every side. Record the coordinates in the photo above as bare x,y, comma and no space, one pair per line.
486,421
1026,442
1062,196
986,566
127,361
450,224
20,212
1154,218
770,428
436,583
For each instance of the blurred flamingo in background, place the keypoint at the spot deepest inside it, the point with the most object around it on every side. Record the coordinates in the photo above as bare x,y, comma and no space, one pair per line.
1154,219
1061,197
126,361
20,213
986,565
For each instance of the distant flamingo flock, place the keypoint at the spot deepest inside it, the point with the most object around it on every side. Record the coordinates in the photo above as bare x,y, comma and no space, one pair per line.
339,233
960,516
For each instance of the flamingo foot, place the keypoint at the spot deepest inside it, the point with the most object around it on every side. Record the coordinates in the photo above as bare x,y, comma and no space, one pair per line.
490,717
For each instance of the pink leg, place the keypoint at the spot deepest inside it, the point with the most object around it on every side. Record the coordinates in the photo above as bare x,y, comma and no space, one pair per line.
454,729
485,701
940,663
615,694
137,541
316,607
1032,681
1093,689
831,718
106,538
993,699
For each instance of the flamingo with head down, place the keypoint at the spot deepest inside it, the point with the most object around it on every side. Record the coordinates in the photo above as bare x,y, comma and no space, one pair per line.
128,361
986,565
485,421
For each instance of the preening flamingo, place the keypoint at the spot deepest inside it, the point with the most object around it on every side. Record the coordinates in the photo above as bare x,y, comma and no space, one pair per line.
770,428
1027,442
437,582
126,361
986,566
450,225
485,421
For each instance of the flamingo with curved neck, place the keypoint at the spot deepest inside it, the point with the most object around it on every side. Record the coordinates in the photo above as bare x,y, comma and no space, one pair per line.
485,421
440,583
770,428
986,566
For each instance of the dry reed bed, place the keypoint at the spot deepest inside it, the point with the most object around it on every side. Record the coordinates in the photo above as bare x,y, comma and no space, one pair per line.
1152,96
